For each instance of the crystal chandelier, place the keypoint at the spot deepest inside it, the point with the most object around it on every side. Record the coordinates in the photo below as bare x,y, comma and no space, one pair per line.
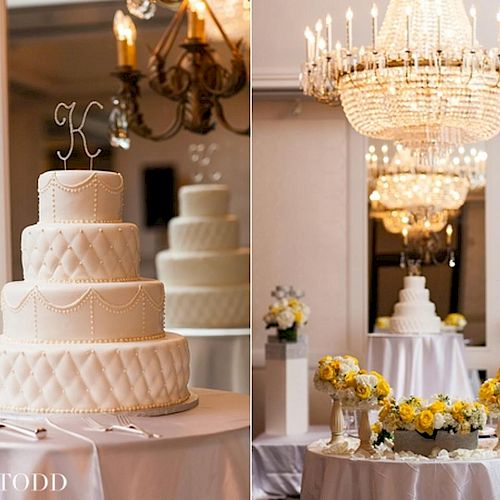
424,80
421,184
196,82
396,221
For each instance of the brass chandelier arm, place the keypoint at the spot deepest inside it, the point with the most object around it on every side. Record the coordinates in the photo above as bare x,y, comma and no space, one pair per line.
234,48
172,31
222,118
220,82
146,132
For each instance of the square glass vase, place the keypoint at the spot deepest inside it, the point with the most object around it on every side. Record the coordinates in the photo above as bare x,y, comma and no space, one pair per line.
416,443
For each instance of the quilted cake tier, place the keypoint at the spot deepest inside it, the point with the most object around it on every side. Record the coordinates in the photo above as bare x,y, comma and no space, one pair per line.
80,252
78,378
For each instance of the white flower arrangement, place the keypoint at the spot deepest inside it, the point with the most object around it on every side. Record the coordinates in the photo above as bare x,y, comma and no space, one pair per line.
288,311
342,378
439,414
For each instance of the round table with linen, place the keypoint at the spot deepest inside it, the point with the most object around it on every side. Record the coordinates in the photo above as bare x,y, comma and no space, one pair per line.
345,477
220,358
421,365
203,453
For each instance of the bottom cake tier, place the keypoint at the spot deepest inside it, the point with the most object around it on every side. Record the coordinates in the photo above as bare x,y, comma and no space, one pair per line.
208,306
412,324
93,377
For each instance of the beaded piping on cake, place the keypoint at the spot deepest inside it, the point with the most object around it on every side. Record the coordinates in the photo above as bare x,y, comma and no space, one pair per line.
61,255
94,298
92,181
143,338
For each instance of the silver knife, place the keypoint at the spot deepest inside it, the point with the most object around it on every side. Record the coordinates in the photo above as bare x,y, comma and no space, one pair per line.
36,433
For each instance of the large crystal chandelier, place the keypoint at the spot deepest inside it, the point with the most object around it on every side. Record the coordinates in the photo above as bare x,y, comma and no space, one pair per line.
424,80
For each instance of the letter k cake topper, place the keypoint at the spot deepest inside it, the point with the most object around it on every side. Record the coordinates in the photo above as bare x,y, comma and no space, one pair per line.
62,120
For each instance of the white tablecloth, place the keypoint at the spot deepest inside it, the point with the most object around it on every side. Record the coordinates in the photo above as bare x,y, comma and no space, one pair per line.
421,365
345,478
203,454
278,461
220,358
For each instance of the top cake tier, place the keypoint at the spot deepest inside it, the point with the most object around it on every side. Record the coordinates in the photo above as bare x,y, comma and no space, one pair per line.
414,282
204,199
80,196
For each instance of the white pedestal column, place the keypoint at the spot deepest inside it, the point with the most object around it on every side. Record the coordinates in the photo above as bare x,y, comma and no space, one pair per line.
287,398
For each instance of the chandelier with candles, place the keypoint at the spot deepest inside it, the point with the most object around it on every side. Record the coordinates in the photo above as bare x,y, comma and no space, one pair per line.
196,82
425,81
408,192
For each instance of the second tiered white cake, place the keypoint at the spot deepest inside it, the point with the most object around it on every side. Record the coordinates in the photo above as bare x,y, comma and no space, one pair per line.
415,313
205,272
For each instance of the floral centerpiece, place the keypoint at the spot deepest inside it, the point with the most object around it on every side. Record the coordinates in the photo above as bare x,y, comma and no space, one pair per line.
456,321
352,387
287,313
442,423
489,396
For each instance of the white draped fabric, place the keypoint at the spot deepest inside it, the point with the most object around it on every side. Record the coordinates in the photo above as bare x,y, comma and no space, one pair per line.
346,478
277,463
220,358
203,453
421,365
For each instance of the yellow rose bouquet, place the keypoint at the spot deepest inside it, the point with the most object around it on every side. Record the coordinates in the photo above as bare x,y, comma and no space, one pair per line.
439,414
334,375
489,395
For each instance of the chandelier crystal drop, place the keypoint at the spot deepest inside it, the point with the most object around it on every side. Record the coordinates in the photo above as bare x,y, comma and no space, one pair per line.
424,80
396,221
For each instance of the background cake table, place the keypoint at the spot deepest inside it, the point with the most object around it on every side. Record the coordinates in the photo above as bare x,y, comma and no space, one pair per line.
220,357
203,453
342,477
422,365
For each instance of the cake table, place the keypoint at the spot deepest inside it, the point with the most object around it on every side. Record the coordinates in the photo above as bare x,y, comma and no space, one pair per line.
220,357
335,477
421,365
203,453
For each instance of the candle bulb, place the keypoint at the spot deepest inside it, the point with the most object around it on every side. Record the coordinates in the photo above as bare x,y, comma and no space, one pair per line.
348,17
374,13
329,32
125,34
473,15
498,33
318,28
405,236
449,234
196,20
309,44
408,27
439,13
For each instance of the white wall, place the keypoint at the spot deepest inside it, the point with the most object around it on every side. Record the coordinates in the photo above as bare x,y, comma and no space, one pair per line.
300,216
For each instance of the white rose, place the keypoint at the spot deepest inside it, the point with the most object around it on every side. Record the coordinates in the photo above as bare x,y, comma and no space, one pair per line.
285,319
438,421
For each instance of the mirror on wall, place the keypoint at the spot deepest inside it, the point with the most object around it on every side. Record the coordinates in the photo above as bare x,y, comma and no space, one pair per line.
66,52
453,289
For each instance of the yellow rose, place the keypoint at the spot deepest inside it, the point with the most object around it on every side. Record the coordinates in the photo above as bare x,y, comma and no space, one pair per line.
456,411
487,390
275,309
298,316
293,302
383,389
377,374
498,374
437,407
377,428
406,412
350,379
335,365
363,391
325,359
382,322
326,372
384,411
424,422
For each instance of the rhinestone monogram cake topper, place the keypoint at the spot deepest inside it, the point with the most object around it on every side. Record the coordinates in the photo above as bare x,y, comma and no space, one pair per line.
63,120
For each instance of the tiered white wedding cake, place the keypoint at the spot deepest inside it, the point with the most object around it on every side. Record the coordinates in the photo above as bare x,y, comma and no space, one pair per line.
205,272
415,313
84,332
